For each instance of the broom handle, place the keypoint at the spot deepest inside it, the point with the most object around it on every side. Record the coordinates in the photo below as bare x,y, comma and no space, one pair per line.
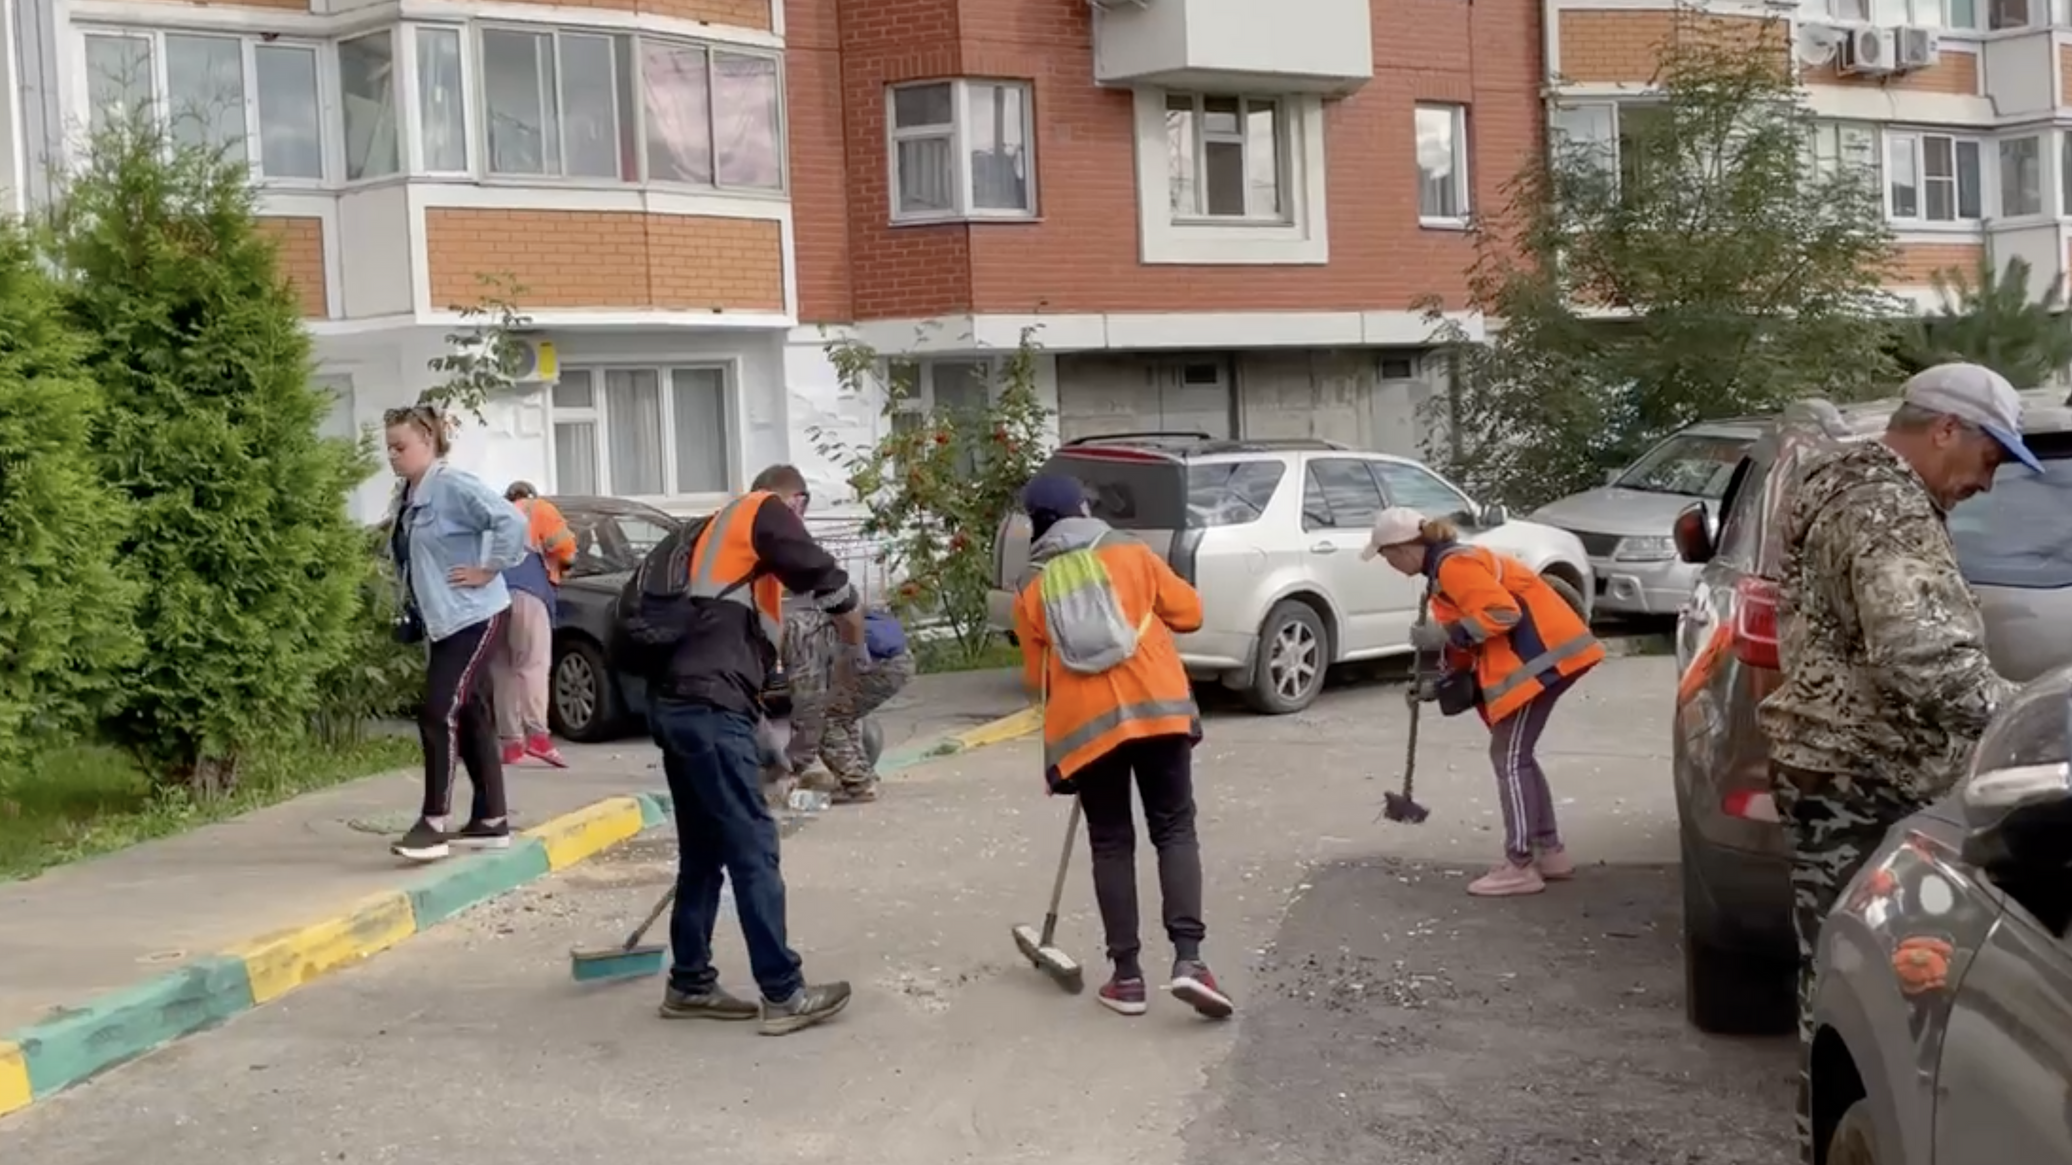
1057,888
1417,678
640,932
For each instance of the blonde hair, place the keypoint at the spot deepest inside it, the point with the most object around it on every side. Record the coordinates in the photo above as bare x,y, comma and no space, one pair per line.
428,420
1433,531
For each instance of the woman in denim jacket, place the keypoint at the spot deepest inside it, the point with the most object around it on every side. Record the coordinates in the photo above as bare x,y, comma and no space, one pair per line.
452,537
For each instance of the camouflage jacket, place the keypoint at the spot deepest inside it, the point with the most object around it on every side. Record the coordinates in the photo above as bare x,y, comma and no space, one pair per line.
1883,646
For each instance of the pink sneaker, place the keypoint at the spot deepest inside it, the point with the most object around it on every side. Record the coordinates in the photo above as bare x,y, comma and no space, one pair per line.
1555,865
513,752
1506,880
542,747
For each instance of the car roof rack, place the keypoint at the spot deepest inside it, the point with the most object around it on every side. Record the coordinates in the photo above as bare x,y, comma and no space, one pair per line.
1143,436
1194,441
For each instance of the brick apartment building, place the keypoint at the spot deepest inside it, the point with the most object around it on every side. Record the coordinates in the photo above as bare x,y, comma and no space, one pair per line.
1221,212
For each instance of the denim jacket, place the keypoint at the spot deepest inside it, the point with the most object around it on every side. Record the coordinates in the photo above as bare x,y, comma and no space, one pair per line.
455,520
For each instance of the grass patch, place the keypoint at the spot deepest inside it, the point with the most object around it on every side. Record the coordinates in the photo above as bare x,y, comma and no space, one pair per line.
947,655
76,802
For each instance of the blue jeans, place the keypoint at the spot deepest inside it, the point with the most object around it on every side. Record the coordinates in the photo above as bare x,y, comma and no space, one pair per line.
722,824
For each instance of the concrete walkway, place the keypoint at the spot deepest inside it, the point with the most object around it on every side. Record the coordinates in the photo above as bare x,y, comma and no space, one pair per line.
104,924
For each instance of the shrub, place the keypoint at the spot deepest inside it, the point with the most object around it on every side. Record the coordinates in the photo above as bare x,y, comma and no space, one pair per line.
939,484
65,612
249,566
377,678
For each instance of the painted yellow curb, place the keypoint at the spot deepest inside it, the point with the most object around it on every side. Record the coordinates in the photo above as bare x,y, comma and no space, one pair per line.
1006,728
280,962
571,838
14,1079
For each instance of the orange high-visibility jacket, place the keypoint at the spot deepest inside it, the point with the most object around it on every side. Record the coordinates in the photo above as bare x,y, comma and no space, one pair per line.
1086,716
1503,619
725,555
547,532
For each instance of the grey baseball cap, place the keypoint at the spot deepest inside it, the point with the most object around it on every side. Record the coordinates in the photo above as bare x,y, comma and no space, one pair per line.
1978,396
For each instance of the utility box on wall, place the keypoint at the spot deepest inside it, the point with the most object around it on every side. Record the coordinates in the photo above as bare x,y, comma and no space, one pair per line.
1235,46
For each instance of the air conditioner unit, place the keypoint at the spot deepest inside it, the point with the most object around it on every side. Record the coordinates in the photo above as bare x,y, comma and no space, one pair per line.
1919,48
528,360
1871,51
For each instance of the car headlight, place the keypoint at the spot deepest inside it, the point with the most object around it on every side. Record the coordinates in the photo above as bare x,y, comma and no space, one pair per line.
1653,548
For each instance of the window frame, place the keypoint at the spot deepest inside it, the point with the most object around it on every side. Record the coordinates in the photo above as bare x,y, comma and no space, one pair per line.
470,100
323,51
556,107
1918,139
398,95
2041,162
958,131
1463,187
598,414
1283,160
1379,466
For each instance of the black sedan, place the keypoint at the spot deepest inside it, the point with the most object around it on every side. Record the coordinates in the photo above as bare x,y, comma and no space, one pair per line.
593,698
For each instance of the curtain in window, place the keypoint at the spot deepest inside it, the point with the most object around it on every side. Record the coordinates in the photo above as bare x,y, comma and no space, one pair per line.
678,97
441,97
699,408
744,103
927,175
633,433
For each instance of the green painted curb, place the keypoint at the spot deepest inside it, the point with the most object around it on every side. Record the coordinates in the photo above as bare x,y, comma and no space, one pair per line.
78,1043
453,888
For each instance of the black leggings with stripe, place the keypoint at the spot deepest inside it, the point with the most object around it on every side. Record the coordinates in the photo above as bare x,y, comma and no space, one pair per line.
458,724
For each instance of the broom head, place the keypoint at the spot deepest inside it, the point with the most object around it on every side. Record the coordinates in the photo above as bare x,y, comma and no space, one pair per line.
617,962
1397,807
1063,969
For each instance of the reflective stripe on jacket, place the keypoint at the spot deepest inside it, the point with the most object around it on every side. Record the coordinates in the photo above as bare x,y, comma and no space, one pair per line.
1087,716
547,532
1520,633
725,557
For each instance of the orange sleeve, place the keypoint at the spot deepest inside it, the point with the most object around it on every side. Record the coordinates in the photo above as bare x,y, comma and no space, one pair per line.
1032,633
1487,610
557,542
1176,604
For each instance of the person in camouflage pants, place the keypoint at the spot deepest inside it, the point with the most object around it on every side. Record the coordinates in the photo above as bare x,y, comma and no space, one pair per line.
810,647
1887,686
827,718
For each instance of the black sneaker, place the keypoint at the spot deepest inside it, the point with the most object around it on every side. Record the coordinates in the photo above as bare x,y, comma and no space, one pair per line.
475,835
717,1003
813,1003
421,844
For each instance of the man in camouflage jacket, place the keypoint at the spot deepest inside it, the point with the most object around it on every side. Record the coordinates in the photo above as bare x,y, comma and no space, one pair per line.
1886,682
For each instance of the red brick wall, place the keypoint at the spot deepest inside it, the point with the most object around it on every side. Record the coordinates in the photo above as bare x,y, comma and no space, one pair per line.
301,242
1082,255
607,259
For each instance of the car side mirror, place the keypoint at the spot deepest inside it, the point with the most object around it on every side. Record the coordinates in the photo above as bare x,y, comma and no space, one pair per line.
2020,835
1491,516
1693,534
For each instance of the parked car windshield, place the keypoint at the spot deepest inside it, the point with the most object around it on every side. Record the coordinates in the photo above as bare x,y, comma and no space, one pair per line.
2035,728
2020,533
1692,464
611,541
1230,493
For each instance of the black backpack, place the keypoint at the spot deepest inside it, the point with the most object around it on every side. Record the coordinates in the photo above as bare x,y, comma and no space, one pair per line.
656,611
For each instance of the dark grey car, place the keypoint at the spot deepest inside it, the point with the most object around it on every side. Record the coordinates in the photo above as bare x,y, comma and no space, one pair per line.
2015,546
592,698
1943,1011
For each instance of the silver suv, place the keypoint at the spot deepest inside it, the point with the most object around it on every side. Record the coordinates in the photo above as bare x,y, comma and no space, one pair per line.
1270,533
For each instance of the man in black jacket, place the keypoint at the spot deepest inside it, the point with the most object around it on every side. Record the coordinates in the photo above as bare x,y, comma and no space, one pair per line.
703,713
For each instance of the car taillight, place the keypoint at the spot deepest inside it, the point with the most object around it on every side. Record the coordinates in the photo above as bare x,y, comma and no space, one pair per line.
1755,622
1186,547
1750,805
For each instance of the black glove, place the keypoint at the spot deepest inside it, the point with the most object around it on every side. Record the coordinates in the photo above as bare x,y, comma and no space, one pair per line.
1423,690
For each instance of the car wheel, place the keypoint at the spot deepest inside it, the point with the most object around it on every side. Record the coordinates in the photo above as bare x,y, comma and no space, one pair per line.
1569,594
1726,992
873,740
584,702
1855,1140
1293,653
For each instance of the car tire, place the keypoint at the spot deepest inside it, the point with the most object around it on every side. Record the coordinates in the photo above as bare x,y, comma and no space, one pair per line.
873,740
1855,1139
1294,652
1569,594
1726,992
583,702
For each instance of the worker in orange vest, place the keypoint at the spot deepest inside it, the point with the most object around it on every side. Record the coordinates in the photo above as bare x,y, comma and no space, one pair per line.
522,669
1096,631
1513,645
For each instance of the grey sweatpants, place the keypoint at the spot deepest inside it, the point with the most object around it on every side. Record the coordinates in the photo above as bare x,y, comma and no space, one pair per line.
1521,784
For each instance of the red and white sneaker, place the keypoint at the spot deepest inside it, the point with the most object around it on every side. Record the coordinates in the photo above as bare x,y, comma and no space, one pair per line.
542,748
513,752
1123,996
1194,985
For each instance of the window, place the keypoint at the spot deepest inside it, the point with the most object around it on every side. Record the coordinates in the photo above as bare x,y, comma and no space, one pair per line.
1224,157
2065,172
2014,535
1339,493
1844,148
712,117
441,102
1932,177
1230,493
2002,14
961,149
1695,465
254,100
641,432
1614,137
2021,176
1442,163
367,105
1420,489
559,104
1928,13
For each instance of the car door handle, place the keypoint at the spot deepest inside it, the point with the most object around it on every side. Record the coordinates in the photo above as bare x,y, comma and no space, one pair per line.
1324,548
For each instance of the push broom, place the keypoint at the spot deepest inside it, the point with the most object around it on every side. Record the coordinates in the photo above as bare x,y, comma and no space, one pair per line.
629,960
1401,807
1039,946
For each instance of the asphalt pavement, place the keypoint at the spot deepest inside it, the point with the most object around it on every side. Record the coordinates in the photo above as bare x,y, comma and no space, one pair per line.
1384,1016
